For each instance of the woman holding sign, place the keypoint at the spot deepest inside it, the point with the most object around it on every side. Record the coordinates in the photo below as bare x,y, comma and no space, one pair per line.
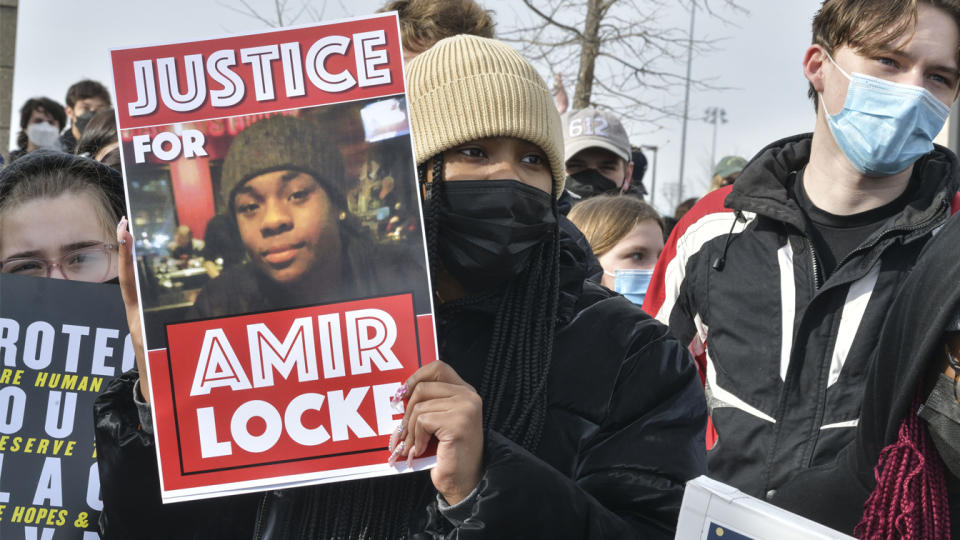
559,409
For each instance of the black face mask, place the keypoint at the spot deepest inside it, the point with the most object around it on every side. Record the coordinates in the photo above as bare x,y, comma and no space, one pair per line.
489,228
942,414
589,183
82,120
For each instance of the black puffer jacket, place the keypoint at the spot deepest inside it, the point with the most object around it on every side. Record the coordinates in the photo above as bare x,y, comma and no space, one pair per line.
624,430
909,352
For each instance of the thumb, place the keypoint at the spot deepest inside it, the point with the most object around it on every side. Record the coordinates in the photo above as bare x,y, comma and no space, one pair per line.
128,289
125,267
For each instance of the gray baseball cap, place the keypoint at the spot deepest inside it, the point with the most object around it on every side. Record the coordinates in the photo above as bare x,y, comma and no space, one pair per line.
593,128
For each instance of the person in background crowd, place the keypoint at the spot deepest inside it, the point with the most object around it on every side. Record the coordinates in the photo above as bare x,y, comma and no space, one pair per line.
780,282
99,140
636,188
83,100
626,235
523,428
41,120
56,217
222,246
899,477
598,155
425,22
726,171
681,210
184,245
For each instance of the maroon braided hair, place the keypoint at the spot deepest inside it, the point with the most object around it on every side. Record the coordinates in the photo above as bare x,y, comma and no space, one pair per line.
910,499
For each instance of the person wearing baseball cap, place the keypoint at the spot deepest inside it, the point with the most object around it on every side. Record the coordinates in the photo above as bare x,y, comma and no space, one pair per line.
726,171
597,152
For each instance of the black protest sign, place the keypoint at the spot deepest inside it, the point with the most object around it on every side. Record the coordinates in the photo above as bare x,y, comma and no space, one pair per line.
61,342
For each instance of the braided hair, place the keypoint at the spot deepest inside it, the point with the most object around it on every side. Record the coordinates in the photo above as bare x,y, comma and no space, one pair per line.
910,498
513,388
514,381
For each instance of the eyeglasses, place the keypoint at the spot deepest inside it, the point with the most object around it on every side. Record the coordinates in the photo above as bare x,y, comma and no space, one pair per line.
955,364
91,263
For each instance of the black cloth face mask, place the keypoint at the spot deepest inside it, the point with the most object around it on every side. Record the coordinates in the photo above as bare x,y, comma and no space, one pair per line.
942,414
589,183
83,120
487,229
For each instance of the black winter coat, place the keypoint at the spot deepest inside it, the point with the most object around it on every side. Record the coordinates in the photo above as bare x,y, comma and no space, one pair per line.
787,351
909,352
624,430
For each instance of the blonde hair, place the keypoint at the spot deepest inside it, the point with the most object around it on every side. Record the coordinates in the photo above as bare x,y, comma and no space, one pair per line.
606,219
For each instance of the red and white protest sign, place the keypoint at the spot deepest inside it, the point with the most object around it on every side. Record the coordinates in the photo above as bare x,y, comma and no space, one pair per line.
273,356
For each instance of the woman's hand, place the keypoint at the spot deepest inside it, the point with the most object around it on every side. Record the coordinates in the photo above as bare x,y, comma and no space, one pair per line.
128,288
444,406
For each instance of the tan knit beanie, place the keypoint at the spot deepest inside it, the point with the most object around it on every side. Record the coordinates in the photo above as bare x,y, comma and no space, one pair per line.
467,87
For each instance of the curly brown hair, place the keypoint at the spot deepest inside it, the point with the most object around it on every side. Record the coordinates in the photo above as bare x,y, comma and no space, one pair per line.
425,22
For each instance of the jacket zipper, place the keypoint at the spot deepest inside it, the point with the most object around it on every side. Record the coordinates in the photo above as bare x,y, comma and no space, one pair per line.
263,506
894,229
816,267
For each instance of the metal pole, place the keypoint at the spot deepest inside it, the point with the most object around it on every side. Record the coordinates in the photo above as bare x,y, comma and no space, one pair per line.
653,179
713,150
686,102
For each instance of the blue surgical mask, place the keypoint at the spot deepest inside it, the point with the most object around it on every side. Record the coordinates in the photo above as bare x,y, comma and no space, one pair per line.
631,283
885,127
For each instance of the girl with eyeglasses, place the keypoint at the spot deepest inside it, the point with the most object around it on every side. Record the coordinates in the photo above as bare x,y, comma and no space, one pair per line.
57,217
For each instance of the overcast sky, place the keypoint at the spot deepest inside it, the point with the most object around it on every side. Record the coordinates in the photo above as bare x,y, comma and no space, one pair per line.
759,58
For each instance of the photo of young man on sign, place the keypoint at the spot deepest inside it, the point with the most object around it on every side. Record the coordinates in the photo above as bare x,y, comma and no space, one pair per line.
295,219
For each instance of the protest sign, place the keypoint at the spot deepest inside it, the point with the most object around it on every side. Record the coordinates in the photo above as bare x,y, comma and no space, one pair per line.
281,261
712,510
61,343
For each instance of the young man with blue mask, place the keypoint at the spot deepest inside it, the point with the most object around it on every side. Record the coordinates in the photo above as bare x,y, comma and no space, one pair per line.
781,282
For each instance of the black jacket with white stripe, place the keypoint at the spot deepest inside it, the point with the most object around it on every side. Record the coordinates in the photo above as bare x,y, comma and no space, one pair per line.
786,352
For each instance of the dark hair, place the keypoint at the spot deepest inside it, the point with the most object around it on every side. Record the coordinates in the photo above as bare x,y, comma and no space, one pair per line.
86,89
47,174
514,380
100,131
425,22
513,389
45,104
684,207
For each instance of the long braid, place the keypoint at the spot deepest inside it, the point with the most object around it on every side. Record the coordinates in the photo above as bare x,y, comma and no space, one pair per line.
513,383
513,387
910,498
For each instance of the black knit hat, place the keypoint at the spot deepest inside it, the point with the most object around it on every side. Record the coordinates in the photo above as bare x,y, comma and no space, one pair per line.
283,143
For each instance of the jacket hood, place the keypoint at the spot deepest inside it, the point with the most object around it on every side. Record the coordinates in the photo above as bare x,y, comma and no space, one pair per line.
763,186
909,351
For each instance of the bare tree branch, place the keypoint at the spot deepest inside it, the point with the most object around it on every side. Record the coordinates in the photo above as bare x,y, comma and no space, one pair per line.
624,47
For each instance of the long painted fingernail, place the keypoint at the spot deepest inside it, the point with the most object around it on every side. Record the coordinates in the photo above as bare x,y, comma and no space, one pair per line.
410,455
398,396
395,436
392,460
121,228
